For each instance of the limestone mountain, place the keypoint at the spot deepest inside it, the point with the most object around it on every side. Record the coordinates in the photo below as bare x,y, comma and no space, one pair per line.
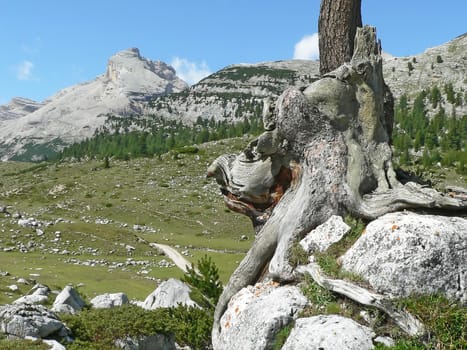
74,113
18,107
439,66
136,86
237,91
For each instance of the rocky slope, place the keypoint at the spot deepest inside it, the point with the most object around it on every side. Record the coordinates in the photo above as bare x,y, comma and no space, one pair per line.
18,107
237,91
74,113
446,63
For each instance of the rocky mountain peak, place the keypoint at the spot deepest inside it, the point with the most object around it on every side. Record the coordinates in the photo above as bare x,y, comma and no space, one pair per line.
74,113
130,71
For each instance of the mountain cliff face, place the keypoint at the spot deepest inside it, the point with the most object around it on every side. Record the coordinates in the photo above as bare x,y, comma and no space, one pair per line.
18,107
76,112
133,85
437,66
236,91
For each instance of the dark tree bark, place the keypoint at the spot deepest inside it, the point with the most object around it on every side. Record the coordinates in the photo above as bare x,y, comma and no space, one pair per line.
337,25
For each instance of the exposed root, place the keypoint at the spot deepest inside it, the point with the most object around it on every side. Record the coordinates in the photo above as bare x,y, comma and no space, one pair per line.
408,323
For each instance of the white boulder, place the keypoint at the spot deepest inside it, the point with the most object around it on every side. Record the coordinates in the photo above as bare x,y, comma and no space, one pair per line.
325,234
256,313
169,293
54,345
109,300
406,253
37,295
329,332
68,301
24,320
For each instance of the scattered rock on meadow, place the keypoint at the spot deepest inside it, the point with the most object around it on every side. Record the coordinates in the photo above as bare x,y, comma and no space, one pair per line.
13,287
109,300
68,301
170,293
25,320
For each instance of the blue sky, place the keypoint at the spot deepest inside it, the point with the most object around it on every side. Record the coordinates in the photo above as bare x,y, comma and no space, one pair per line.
48,45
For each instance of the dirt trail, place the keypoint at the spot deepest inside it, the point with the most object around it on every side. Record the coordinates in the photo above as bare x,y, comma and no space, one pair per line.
174,255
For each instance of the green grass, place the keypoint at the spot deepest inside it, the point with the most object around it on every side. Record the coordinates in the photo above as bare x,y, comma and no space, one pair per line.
282,335
20,344
328,260
445,320
169,197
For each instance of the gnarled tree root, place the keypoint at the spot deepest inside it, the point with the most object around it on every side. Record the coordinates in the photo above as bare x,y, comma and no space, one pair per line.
408,323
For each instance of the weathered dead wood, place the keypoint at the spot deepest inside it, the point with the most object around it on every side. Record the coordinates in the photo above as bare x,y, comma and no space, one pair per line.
334,139
408,323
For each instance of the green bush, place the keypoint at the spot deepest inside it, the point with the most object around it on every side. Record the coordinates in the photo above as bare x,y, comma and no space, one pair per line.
101,328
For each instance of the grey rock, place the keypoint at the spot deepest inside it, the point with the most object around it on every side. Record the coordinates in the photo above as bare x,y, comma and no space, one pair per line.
13,287
37,295
405,253
169,293
256,314
54,345
329,332
109,300
255,82
386,341
152,342
68,301
321,238
30,320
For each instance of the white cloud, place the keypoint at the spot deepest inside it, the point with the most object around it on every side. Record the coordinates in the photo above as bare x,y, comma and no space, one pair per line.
24,70
191,72
307,48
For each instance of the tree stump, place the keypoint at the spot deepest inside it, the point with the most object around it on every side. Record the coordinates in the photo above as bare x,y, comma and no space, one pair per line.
326,151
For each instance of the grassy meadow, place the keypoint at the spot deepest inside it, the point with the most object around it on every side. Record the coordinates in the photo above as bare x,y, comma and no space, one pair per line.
96,223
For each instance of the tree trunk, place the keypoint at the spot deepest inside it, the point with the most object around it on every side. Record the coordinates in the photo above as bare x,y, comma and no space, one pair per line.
337,25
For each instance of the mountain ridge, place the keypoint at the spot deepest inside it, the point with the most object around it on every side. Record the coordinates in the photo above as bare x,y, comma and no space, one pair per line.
230,94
